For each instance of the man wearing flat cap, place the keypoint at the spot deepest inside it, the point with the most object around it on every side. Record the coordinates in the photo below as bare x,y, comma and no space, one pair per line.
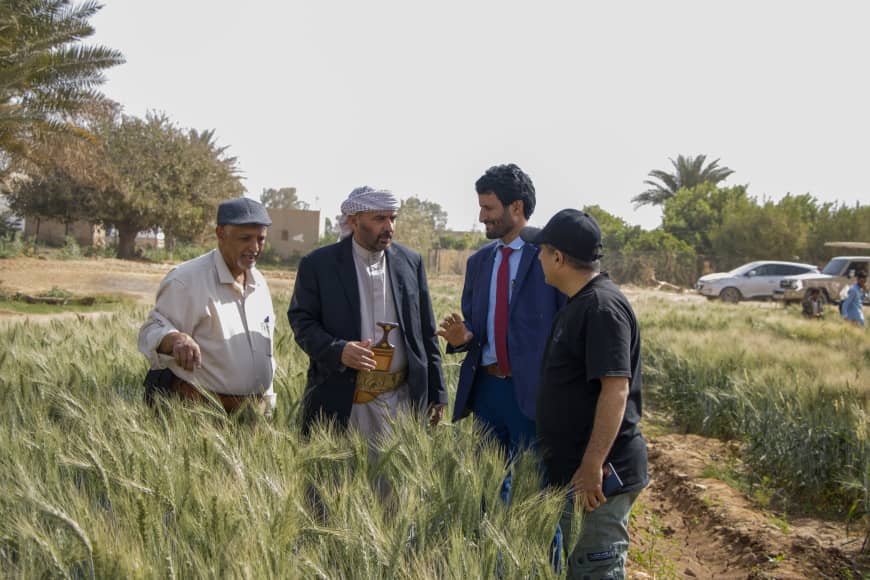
210,332
361,312
589,396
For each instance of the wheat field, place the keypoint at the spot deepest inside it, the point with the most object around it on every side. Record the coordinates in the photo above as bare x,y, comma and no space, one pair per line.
94,484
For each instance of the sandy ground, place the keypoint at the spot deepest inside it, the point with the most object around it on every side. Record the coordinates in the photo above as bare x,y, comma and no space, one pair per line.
686,526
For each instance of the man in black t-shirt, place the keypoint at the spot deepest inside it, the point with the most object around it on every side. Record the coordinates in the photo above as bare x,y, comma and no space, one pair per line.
589,396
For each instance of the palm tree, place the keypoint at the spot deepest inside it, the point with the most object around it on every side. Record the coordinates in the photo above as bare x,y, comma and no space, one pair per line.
46,75
688,172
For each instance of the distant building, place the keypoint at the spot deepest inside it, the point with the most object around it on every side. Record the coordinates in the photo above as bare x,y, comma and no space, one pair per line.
55,232
293,231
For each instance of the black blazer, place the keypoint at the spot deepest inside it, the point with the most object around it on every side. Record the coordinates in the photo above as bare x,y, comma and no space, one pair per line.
324,314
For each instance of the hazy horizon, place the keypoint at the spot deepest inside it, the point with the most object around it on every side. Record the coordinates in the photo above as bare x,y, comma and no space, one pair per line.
587,99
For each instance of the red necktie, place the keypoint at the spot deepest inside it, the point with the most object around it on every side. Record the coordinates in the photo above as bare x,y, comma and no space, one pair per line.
502,298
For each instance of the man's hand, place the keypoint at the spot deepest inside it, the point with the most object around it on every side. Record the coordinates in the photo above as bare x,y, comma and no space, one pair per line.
436,413
358,355
454,331
183,349
587,485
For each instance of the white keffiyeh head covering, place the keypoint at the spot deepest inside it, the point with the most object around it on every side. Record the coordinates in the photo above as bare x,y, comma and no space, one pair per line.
365,198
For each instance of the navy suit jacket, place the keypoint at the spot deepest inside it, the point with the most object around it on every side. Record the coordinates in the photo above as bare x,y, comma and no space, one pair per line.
532,308
325,314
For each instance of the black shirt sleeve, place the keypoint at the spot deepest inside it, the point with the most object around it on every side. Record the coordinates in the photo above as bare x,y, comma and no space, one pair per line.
608,344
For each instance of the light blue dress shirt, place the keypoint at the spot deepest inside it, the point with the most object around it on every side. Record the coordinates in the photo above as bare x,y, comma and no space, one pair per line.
852,307
488,355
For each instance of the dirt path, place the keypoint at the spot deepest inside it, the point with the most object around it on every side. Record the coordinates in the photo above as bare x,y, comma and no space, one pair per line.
688,526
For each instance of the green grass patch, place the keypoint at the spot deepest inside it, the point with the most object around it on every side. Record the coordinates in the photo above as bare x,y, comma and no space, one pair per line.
793,391
58,300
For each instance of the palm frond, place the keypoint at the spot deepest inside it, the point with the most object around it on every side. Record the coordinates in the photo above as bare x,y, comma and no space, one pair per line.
688,171
46,75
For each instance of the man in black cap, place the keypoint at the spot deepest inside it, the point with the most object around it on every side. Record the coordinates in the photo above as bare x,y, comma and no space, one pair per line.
210,332
589,396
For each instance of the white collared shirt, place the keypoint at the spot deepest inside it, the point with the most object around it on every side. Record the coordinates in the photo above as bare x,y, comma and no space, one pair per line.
233,326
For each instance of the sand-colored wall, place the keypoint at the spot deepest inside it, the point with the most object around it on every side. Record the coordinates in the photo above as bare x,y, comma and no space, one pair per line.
55,232
293,231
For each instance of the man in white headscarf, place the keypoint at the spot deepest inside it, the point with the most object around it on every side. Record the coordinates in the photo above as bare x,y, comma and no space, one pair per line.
345,296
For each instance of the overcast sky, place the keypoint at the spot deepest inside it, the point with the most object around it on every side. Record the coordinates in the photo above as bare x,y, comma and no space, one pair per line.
587,97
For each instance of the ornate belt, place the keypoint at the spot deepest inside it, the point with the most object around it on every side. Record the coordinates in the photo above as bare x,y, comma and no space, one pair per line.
373,383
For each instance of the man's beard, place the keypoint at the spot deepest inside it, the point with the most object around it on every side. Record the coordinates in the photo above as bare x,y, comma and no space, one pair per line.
498,229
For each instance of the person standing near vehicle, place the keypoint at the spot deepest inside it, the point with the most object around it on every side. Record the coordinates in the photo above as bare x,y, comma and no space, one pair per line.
812,305
853,305
589,396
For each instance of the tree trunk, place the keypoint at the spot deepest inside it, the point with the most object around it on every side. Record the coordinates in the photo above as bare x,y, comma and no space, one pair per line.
126,241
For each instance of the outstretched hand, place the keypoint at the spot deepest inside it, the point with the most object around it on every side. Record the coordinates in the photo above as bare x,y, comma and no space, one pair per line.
454,331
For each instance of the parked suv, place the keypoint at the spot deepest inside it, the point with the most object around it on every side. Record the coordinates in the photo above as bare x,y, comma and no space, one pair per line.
834,279
755,280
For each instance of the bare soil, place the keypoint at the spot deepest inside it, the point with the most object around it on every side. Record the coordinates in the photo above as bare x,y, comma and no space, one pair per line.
684,526
689,526
135,279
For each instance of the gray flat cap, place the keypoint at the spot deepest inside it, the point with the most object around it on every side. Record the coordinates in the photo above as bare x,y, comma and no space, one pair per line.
242,210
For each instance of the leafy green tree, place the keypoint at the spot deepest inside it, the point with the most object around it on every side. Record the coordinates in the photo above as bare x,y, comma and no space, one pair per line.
53,194
693,213
138,174
461,240
162,177
634,255
756,232
837,223
658,256
801,208
331,231
615,231
688,172
419,224
283,198
46,75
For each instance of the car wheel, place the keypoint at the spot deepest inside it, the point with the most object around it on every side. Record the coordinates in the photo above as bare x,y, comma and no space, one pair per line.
825,298
731,295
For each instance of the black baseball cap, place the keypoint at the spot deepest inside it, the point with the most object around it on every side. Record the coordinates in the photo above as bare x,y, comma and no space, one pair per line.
242,211
570,231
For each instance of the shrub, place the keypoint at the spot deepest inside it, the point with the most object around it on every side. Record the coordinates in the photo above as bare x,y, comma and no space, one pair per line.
70,249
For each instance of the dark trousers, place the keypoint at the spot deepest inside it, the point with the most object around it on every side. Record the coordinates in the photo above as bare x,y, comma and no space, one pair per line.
164,383
496,409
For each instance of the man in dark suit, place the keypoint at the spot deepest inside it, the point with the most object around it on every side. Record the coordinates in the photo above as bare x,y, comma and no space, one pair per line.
342,292
507,310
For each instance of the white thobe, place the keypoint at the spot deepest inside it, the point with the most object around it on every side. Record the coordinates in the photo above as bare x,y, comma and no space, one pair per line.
378,305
